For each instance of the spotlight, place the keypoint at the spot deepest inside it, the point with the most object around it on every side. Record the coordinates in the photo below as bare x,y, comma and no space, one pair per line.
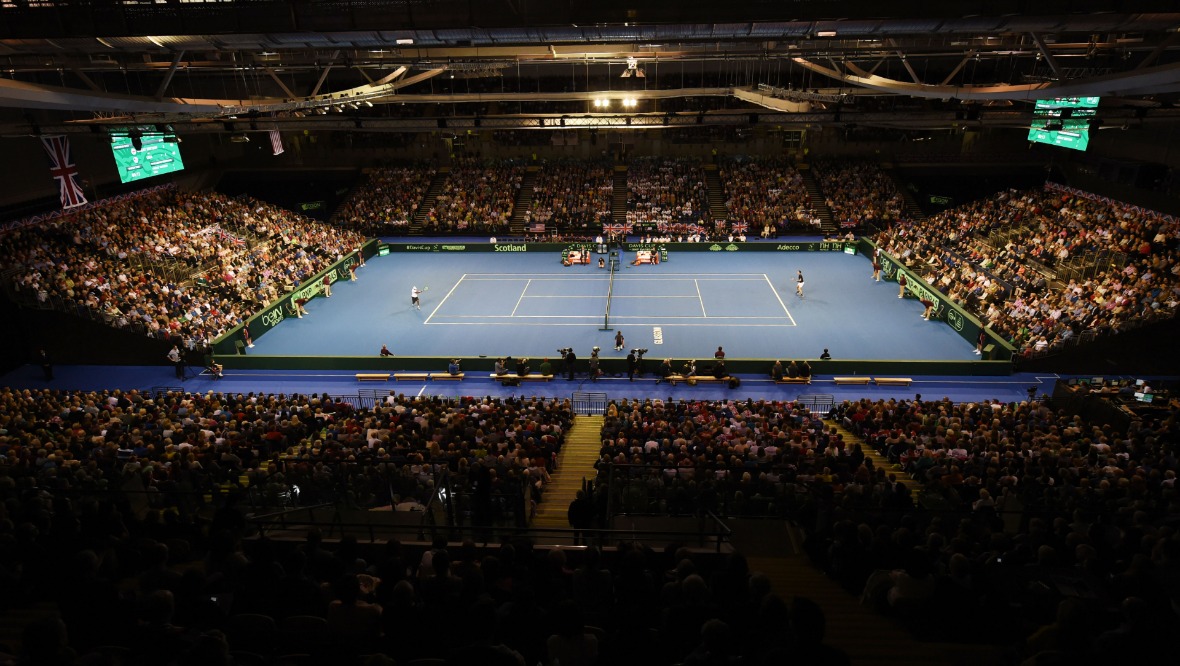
368,103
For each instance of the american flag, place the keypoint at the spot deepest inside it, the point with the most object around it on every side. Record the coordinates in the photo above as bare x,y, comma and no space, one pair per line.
276,142
537,228
739,227
62,168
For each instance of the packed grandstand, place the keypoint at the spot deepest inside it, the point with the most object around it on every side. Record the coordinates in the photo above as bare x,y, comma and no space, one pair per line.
1044,269
984,511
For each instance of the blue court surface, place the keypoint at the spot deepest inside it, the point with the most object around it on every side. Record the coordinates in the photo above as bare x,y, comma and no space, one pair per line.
528,304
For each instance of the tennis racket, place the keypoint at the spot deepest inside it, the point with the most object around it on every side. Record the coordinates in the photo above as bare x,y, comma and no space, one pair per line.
425,287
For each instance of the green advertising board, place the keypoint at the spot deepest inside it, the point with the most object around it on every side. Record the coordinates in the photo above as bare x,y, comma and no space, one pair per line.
276,312
963,322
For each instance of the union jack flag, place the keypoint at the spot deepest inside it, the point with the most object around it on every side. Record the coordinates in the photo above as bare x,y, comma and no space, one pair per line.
612,228
628,227
63,169
739,227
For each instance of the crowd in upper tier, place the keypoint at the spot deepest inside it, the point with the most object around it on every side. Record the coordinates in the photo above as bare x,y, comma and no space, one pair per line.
232,255
766,195
666,195
1006,259
572,196
387,200
859,192
478,197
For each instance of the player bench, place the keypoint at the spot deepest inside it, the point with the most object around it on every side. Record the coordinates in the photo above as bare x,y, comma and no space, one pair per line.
531,377
410,376
793,380
700,379
372,376
862,381
893,381
446,376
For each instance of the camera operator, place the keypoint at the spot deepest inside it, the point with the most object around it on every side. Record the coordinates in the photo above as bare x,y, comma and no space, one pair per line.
522,367
639,352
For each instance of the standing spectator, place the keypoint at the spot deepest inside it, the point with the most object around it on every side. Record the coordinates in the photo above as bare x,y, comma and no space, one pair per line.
46,364
177,360
581,516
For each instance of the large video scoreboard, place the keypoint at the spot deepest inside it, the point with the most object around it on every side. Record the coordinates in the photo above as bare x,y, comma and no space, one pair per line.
1063,121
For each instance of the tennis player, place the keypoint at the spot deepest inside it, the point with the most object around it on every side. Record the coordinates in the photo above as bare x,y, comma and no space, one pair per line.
799,285
415,292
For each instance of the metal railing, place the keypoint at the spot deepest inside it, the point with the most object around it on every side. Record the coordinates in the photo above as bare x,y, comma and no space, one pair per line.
588,403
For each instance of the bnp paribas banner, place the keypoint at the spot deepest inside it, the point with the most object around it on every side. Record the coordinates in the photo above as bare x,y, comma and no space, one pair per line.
284,307
963,322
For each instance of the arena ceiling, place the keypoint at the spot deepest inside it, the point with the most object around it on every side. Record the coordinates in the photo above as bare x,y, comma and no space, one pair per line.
403,65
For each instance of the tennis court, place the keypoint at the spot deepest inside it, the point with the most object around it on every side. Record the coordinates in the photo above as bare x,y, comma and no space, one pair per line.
661,299
528,304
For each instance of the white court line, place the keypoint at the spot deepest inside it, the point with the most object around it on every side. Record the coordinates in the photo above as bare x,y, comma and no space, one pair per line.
526,288
702,300
603,296
779,298
736,277
600,316
665,324
444,300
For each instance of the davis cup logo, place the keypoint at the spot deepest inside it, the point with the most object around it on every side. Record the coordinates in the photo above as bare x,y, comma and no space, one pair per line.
955,319
888,268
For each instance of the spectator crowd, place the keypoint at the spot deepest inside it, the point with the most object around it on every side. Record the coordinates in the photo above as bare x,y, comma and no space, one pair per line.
478,197
1007,260
105,519
572,196
767,195
223,259
859,193
666,195
386,202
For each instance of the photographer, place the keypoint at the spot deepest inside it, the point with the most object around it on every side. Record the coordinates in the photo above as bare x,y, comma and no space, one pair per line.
522,367
501,369
453,367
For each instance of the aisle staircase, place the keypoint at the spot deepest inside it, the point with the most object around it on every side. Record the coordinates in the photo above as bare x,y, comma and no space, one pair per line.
912,211
428,199
775,548
524,201
618,205
716,194
819,202
574,463
866,636
879,461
